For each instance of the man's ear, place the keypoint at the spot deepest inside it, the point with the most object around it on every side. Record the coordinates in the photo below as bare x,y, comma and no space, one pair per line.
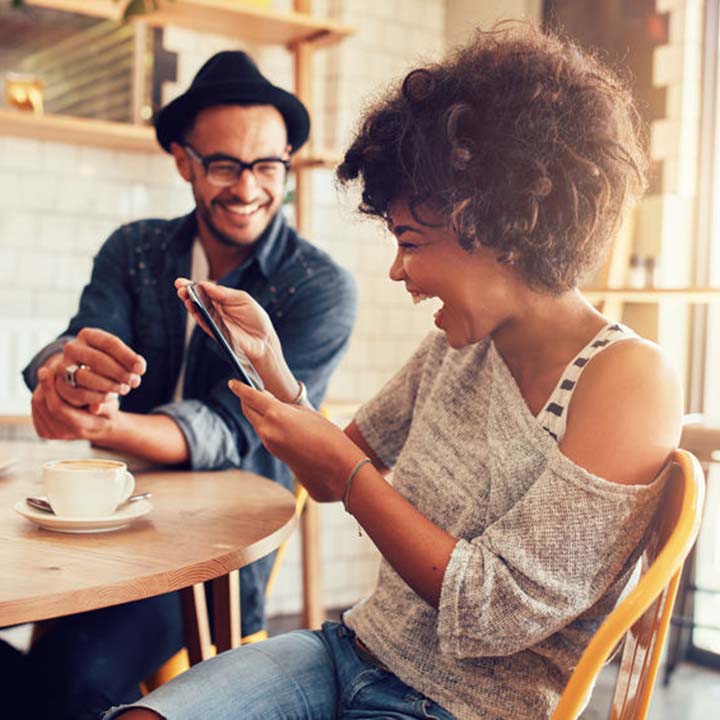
182,161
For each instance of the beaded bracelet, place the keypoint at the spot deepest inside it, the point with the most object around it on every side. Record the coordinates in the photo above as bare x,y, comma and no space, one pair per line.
348,483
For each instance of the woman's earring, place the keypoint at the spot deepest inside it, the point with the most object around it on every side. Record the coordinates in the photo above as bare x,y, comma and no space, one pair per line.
508,258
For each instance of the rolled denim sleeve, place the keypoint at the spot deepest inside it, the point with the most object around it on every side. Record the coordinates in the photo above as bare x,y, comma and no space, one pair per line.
211,441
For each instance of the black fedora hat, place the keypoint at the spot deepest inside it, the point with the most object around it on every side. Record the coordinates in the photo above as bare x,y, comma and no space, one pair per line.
230,77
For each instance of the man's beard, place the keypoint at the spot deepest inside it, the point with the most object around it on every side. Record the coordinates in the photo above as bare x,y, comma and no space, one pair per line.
220,236
225,239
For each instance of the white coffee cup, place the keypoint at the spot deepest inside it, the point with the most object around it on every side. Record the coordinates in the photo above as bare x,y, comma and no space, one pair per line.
86,488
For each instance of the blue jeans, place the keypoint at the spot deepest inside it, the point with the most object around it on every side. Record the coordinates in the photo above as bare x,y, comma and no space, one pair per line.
303,675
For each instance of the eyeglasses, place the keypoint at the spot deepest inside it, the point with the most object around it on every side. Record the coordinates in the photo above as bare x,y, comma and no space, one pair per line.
224,170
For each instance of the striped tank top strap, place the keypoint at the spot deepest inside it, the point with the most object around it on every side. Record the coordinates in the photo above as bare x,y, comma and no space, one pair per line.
553,416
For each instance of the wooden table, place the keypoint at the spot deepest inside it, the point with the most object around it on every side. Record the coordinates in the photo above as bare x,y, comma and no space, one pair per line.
203,526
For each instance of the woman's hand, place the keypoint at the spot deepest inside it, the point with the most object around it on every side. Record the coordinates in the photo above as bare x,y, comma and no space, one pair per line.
251,330
249,325
318,452
322,457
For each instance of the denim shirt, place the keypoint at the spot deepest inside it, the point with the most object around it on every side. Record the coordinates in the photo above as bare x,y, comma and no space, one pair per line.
310,300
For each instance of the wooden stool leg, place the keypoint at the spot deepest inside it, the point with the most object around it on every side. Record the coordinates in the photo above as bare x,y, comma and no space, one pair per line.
313,611
226,609
195,623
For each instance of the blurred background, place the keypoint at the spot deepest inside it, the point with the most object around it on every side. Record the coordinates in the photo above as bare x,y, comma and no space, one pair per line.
82,78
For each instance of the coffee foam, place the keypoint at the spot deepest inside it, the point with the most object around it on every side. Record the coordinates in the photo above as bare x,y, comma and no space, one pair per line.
87,465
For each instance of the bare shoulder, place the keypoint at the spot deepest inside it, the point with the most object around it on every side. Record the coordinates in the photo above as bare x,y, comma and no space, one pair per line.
625,415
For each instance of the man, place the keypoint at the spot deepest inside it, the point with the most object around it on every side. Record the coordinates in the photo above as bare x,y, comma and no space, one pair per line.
132,374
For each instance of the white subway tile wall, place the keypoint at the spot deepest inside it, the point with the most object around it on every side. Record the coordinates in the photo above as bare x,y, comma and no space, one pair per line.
59,202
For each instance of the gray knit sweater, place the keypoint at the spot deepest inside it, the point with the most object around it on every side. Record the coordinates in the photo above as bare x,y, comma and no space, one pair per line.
545,547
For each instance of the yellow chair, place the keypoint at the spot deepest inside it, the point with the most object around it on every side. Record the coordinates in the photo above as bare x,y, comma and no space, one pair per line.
701,437
180,662
643,617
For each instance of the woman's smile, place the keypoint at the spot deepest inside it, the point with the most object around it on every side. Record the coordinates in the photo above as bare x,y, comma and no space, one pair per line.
475,290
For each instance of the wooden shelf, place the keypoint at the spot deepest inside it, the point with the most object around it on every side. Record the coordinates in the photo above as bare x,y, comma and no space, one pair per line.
115,136
78,131
225,17
257,25
106,9
653,295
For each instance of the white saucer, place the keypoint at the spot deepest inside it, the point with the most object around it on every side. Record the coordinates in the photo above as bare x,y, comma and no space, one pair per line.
6,463
119,519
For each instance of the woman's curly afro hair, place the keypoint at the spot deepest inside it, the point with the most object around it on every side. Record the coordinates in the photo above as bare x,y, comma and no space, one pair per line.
521,142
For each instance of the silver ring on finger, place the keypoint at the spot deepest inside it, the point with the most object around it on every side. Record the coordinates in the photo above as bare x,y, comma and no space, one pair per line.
71,372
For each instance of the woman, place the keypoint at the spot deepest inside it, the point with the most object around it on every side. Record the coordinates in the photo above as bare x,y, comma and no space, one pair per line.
526,437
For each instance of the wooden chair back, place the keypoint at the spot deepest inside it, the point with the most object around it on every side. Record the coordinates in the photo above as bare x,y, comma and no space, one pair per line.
643,617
